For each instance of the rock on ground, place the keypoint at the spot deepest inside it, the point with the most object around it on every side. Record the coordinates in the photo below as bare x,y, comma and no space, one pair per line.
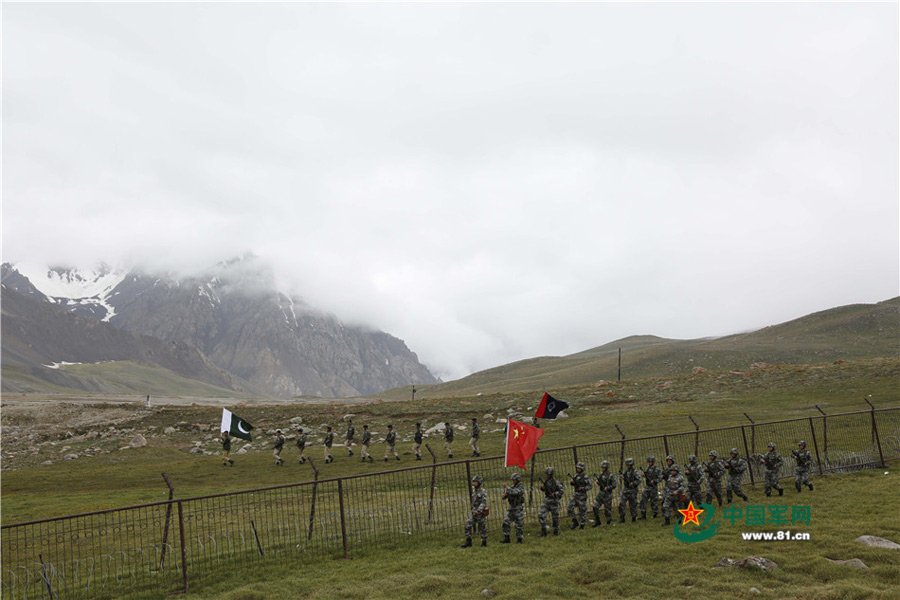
877,542
751,561
853,562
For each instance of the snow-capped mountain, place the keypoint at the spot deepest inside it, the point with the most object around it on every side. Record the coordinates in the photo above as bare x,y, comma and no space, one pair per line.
84,292
235,316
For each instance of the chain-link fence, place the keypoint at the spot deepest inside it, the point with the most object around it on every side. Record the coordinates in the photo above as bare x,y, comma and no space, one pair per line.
165,546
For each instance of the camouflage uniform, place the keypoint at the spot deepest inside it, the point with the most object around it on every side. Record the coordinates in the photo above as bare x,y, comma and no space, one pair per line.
365,442
477,518
391,440
606,484
349,437
473,439
735,466
653,475
553,491
672,492
773,461
582,484
515,495
329,440
226,449
693,474
801,471
417,441
714,469
276,451
448,439
631,482
301,446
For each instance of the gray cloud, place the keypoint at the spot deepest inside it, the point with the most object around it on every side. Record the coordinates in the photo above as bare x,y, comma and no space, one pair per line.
488,181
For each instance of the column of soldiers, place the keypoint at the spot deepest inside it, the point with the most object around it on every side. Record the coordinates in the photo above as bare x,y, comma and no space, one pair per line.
679,488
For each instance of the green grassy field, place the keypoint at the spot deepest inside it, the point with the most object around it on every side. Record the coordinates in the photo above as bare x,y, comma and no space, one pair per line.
641,560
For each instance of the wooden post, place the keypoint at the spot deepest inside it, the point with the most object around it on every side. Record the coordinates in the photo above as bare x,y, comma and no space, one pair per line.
343,518
165,540
812,431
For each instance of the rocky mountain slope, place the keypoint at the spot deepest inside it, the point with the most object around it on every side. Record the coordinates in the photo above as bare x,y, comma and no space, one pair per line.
233,315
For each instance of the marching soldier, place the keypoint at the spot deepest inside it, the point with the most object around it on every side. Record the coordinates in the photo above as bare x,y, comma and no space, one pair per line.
390,439
329,440
365,442
349,436
553,491
582,484
417,441
652,476
473,437
772,461
478,518
631,481
606,485
714,470
801,471
448,439
693,473
276,451
735,466
226,449
672,493
515,495
670,460
301,446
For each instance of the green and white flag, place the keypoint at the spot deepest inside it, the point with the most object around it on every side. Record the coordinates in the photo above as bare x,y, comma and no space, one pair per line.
235,426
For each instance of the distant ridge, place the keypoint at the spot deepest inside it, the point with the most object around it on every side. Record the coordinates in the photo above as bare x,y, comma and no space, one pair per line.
856,331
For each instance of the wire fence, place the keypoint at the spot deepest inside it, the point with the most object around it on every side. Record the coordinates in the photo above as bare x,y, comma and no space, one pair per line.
163,547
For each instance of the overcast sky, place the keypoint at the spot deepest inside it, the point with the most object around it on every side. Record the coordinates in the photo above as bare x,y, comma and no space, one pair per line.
489,182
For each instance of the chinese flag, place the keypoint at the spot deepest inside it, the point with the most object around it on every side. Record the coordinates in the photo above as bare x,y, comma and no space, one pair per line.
521,442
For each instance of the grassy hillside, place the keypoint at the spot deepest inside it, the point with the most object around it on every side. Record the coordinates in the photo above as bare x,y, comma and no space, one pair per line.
852,332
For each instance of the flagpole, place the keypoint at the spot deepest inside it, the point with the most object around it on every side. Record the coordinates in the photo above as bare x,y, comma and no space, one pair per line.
506,445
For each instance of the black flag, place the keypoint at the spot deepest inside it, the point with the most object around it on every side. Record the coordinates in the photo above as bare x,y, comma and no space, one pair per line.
550,407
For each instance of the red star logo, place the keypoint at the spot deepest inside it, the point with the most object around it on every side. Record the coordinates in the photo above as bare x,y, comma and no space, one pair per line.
516,431
691,514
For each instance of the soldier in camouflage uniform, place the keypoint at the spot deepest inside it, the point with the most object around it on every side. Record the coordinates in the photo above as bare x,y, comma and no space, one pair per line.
448,439
276,451
714,469
390,440
553,491
606,486
672,493
670,460
417,441
582,484
735,466
515,495
301,446
631,482
772,461
329,440
365,442
478,518
693,474
801,471
653,475
473,438
349,436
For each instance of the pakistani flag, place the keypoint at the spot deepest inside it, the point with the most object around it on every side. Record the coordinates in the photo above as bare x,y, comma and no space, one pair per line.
235,426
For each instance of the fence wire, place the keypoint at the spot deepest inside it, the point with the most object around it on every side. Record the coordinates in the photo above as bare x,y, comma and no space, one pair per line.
158,548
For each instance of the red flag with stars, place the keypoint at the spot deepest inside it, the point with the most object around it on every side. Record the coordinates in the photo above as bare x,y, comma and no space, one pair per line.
521,442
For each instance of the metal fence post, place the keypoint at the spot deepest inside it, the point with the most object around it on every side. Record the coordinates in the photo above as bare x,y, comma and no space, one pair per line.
312,504
666,444
575,453
531,483
433,478
621,450
747,454
812,431
184,569
696,436
343,519
469,482
824,433
165,539
875,432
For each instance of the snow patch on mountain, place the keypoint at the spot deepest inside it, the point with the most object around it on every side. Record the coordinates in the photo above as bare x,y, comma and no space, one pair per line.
75,286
